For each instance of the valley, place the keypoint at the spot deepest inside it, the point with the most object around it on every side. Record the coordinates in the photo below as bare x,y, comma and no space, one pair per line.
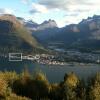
50,50
53,45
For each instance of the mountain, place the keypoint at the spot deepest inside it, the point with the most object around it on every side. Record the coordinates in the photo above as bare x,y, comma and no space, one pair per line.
41,32
45,30
31,25
15,37
36,27
47,24
84,35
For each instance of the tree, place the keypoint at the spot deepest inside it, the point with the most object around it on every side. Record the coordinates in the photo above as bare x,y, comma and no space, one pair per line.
55,92
70,84
35,88
94,92
3,89
81,90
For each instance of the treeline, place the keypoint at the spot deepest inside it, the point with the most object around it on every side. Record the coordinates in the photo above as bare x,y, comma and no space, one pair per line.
24,86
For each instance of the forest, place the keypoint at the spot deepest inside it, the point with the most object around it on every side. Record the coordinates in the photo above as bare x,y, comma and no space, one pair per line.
26,86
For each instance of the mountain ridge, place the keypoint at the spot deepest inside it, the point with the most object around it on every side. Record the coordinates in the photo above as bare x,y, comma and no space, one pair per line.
70,36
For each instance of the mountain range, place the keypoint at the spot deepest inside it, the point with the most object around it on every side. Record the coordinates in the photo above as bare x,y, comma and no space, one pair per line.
20,35
84,35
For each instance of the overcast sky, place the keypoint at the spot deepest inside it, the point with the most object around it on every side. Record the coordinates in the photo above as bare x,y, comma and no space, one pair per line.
64,12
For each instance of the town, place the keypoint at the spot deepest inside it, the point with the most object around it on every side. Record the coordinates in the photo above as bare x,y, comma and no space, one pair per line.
70,57
64,58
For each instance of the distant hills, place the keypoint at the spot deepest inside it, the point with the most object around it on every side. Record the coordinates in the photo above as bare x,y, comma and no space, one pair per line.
84,35
15,37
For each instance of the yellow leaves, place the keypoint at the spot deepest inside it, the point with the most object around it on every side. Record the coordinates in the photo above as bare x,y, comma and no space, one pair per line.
8,76
40,76
54,87
3,87
95,91
72,80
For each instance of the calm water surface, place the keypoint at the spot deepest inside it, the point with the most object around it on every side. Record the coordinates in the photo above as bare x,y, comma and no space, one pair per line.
54,73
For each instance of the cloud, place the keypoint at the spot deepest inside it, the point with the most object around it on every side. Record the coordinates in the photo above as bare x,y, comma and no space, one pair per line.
69,5
6,11
52,4
38,8
71,14
74,10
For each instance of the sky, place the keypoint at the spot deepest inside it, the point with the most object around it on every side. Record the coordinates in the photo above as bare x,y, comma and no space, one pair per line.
64,12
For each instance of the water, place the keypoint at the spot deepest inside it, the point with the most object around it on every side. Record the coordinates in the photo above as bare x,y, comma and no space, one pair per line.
54,73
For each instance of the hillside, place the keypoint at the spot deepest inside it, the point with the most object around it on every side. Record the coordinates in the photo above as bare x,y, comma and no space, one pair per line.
15,37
